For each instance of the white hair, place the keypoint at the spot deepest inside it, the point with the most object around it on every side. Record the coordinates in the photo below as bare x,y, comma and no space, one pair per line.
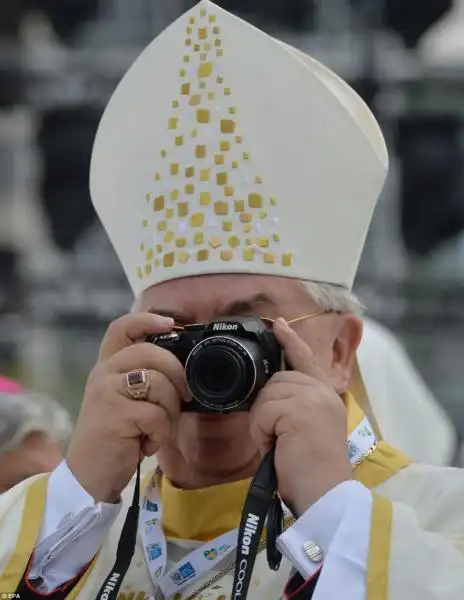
28,412
333,298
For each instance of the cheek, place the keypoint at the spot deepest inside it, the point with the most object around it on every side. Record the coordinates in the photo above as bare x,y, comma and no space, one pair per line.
193,426
14,467
322,346
48,458
322,353
10,463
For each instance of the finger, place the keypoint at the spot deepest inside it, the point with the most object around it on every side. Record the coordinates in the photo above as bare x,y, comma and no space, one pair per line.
285,384
161,392
163,433
153,422
149,448
278,391
126,330
297,352
150,357
264,423
289,378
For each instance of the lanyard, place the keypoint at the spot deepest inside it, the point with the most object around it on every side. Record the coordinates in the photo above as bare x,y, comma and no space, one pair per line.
186,571
261,499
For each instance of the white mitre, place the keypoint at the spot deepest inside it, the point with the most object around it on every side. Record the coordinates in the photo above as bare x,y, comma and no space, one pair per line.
225,151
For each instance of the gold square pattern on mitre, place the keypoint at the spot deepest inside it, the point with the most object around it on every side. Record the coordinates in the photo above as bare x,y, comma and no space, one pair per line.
216,200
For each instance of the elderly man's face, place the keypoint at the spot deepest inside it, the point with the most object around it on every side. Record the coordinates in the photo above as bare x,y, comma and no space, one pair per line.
36,454
221,444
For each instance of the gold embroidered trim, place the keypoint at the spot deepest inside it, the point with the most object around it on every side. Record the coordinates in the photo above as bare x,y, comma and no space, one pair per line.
362,458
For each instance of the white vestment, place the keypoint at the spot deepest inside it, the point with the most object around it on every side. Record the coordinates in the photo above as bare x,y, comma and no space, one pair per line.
416,548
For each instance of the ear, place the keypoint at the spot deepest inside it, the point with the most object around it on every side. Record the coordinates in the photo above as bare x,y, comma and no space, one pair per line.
348,334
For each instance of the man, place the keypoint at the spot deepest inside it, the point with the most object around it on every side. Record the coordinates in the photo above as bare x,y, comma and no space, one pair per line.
33,431
235,176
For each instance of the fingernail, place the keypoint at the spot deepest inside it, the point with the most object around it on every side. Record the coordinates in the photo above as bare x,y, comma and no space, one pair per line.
166,320
283,324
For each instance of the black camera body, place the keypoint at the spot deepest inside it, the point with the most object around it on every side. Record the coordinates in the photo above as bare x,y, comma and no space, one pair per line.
227,361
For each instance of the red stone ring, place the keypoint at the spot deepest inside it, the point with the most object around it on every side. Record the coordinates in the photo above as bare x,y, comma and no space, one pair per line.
138,384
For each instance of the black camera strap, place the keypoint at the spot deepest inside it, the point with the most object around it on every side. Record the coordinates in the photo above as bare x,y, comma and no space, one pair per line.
261,503
275,526
126,548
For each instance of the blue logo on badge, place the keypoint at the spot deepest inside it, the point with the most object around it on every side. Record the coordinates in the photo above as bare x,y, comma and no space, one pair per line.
150,506
154,551
150,526
366,431
213,553
158,572
183,574
352,449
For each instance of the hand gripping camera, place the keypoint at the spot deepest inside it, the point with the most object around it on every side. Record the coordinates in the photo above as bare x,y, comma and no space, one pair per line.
227,361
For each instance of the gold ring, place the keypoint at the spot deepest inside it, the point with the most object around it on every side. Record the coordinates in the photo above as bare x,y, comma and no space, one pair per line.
138,384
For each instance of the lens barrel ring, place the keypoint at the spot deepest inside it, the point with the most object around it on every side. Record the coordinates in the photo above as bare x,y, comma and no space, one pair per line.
207,361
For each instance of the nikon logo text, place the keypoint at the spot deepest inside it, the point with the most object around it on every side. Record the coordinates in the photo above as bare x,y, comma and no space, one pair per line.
224,327
249,531
109,587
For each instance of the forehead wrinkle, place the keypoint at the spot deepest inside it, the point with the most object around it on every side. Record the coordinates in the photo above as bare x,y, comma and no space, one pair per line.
242,305
249,303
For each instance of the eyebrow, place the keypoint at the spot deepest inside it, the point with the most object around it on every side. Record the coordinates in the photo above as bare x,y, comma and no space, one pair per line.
237,307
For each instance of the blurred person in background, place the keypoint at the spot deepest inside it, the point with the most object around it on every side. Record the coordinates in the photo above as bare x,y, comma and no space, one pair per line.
34,431
403,404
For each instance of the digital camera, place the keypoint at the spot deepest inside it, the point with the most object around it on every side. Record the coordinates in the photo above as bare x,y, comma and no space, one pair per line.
227,361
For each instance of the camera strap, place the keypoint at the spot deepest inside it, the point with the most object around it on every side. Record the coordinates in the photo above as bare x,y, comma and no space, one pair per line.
260,505
126,548
275,526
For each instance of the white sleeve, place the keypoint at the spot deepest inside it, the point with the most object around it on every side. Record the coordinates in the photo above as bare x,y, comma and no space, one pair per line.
71,519
336,531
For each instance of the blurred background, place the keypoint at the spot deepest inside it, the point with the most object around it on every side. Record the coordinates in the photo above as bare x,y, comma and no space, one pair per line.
60,282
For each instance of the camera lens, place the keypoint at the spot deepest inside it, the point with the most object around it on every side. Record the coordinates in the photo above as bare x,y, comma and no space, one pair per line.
217,373
222,372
